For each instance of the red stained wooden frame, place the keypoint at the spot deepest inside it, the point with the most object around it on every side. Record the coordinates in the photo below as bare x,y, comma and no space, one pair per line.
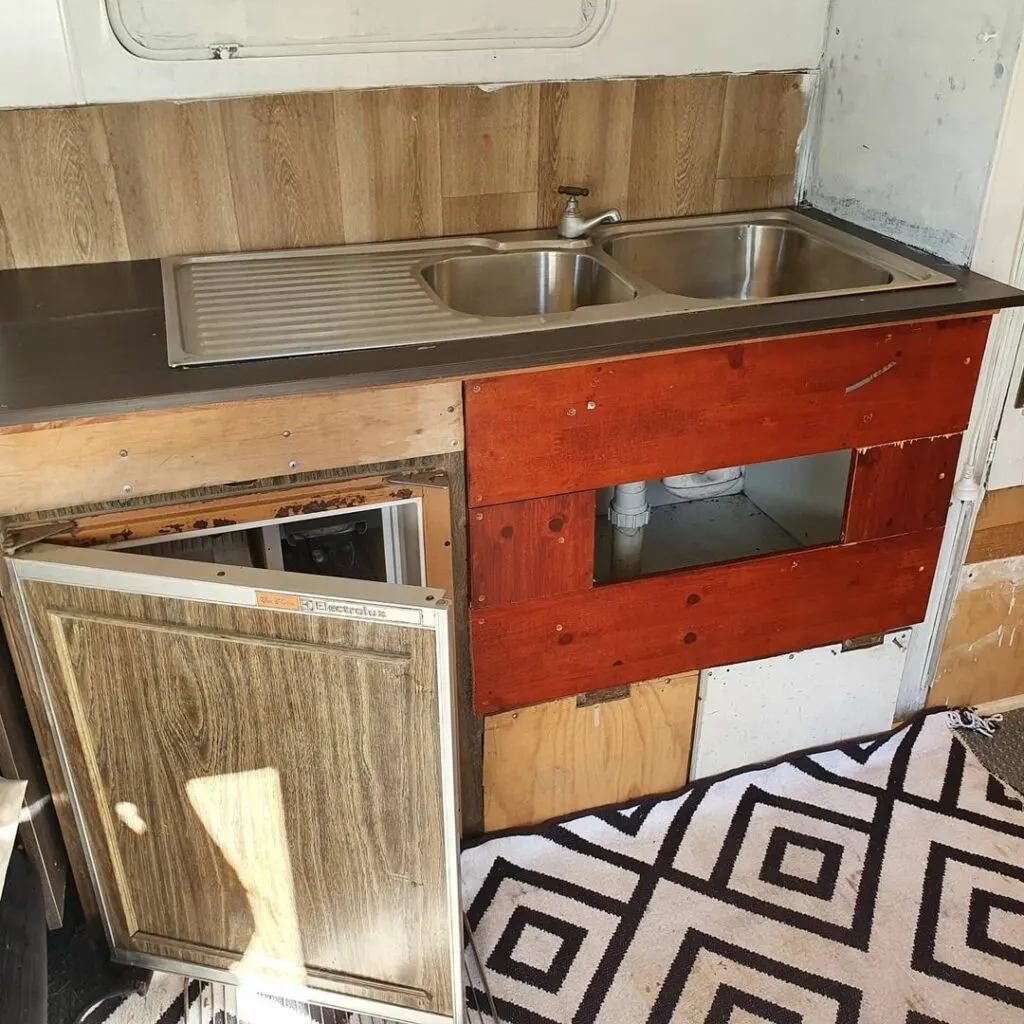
628,632
589,426
901,488
530,549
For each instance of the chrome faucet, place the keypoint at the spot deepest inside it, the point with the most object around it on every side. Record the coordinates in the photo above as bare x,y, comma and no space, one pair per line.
572,225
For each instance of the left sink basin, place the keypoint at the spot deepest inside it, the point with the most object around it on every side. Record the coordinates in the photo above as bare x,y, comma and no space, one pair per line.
524,283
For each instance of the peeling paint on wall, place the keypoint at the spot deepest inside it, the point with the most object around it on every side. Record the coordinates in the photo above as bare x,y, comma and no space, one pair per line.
910,111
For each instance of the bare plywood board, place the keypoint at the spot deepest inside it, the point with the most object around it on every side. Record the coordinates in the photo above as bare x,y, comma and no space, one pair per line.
983,655
74,462
999,531
554,759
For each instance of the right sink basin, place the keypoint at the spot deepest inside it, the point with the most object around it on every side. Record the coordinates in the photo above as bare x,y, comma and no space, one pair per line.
742,259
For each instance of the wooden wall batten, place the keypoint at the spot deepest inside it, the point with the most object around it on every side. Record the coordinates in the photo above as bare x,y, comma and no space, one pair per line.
135,181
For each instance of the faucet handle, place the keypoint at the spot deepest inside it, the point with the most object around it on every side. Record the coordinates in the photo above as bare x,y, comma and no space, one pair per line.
576,191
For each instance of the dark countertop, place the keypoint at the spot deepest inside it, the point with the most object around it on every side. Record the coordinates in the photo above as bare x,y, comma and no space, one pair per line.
89,340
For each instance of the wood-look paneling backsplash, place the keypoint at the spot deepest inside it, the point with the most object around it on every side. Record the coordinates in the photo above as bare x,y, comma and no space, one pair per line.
89,184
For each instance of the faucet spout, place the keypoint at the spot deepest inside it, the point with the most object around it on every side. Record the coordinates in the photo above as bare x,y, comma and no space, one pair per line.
572,225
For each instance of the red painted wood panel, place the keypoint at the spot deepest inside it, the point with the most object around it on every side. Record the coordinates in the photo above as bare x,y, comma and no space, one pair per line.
901,488
627,632
588,426
529,549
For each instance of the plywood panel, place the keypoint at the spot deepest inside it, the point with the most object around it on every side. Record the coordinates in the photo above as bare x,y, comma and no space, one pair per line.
901,488
724,406
93,460
530,549
489,140
677,126
505,211
698,618
585,137
762,113
159,179
59,195
999,531
181,146
283,161
389,158
983,653
554,759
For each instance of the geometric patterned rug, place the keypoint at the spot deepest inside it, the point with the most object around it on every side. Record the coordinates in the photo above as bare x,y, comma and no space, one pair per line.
873,883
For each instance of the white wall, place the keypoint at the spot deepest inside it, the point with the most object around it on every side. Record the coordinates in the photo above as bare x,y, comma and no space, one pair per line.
640,37
911,102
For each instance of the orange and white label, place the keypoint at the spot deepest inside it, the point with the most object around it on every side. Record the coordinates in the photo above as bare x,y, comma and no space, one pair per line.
282,602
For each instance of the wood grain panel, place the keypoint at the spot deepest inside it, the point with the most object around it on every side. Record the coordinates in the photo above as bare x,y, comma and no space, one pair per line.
283,161
180,145
505,211
530,549
389,157
94,460
702,409
210,831
733,194
554,759
158,179
698,618
999,531
59,194
982,655
762,114
900,488
677,124
489,140
585,137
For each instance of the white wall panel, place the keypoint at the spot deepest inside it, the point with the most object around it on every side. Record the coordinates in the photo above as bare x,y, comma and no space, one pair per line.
34,66
764,709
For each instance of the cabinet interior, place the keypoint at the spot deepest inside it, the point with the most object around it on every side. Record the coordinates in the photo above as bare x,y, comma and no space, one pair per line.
381,543
780,506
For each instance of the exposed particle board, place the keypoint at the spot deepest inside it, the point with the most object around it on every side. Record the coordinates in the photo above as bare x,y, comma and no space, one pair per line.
983,654
95,460
555,759
999,531
764,709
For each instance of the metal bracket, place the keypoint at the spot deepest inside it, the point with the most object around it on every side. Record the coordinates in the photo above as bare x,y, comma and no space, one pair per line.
224,51
862,643
26,536
437,478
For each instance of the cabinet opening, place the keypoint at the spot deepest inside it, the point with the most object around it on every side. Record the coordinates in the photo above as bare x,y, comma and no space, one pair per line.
720,515
382,543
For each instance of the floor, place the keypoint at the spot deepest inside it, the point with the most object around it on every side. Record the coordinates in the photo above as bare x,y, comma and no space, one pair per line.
80,971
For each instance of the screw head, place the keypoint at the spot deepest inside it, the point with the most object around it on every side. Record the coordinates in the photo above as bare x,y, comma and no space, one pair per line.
476,389
455,443
123,453
292,464
571,412
127,489
559,628
591,405
286,433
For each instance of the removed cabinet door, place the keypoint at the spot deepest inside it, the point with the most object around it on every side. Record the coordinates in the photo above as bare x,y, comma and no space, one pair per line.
261,769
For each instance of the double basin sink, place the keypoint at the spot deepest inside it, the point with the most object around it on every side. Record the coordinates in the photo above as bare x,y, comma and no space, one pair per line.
421,294
712,261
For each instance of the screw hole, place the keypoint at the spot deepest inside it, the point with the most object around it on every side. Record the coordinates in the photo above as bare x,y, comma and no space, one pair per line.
222,573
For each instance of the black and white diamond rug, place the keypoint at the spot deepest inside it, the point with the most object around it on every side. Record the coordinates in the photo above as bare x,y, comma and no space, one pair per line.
874,883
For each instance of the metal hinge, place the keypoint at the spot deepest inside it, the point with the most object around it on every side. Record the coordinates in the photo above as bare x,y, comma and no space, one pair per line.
862,643
224,51
16,539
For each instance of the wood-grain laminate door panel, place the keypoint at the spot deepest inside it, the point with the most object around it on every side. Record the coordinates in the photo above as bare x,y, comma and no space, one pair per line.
260,775
582,427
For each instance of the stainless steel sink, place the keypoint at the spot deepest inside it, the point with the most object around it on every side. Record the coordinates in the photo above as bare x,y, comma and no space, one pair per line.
424,293
530,283
748,260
